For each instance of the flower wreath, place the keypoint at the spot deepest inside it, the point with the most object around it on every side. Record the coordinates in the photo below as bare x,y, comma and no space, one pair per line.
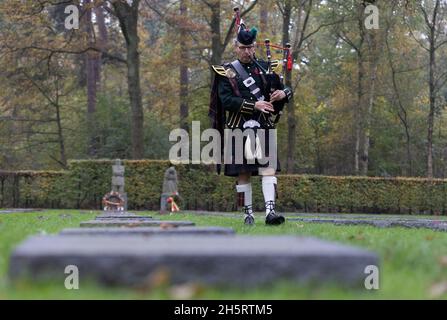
113,201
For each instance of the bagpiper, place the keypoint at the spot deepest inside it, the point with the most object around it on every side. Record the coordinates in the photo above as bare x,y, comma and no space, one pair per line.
248,95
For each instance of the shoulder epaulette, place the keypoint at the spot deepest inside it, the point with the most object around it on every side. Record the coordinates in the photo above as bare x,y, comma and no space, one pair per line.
224,71
219,70
274,65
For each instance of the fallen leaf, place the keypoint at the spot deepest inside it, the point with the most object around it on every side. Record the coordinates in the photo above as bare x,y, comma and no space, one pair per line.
185,291
443,261
356,237
438,289
359,237
158,278
133,225
165,225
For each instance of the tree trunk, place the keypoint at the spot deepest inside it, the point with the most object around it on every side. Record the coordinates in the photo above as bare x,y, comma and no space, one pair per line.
359,108
401,112
184,80
62,154
128,18
102,42
216,44
91,63
435,27
263,17
431,114
358,112
367,127
291,117
374,60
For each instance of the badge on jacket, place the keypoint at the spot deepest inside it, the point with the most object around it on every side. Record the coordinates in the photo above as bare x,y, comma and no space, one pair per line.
230,73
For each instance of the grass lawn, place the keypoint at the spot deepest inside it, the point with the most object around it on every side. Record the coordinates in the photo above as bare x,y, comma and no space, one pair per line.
413,261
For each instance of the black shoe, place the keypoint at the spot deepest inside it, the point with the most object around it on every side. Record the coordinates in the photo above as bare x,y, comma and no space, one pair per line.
249,220
272,218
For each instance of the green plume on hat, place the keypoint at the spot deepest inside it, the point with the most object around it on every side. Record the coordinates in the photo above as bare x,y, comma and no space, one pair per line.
254,32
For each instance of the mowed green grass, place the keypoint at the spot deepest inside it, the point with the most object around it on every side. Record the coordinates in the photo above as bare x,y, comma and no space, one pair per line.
413,261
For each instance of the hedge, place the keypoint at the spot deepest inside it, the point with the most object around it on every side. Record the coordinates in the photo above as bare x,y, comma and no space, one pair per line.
86,181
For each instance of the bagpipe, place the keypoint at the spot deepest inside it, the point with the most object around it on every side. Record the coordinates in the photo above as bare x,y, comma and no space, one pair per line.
274,81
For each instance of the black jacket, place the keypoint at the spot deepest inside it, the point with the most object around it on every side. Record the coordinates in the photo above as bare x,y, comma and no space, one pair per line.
237,100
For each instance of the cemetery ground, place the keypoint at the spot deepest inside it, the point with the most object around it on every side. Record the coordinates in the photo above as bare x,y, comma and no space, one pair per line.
413,262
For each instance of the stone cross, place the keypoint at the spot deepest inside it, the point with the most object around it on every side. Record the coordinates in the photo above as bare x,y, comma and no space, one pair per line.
118,180
170,182
118,177
169,188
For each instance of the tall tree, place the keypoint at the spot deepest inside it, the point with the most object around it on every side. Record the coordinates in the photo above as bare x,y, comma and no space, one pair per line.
397,92
291,117
434,13
264,16
127,14
358,46
184,77
91,63
298,41
431,37
218,45
375,44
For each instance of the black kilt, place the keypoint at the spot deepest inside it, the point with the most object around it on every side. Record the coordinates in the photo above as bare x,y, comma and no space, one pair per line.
232,169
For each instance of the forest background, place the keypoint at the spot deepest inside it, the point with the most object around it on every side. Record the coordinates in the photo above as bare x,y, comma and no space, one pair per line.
367,101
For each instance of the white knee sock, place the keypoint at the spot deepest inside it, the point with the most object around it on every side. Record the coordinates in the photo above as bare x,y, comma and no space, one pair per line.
246,189
268,189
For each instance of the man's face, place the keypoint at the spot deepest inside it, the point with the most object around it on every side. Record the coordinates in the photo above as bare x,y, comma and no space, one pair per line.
245,53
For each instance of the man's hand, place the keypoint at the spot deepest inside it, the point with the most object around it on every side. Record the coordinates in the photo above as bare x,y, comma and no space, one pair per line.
277,95
264,106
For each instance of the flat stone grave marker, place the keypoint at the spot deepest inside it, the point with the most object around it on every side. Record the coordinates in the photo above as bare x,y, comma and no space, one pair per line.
365,216
105,223
148,231
214,213
7,211
124,215
237,261
438,225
